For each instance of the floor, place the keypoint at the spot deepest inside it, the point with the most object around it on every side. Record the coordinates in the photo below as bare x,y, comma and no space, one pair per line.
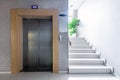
51,76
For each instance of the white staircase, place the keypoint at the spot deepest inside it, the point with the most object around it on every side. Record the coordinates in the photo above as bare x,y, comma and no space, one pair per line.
84,59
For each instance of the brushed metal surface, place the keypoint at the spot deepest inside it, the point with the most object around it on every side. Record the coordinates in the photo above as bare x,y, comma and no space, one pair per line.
37,44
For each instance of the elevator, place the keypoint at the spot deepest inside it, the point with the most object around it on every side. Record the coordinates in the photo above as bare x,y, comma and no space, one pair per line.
37,44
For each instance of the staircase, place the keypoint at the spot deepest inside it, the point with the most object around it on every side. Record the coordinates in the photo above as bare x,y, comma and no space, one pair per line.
84,59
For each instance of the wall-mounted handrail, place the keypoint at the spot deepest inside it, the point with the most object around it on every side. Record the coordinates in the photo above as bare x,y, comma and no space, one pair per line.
69,42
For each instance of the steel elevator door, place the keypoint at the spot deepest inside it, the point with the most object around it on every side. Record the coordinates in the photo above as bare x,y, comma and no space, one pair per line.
37,44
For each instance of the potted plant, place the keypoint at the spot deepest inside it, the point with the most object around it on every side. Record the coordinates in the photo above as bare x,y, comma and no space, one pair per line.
72,26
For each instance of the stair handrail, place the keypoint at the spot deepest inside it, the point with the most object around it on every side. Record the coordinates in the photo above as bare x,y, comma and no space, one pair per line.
69,42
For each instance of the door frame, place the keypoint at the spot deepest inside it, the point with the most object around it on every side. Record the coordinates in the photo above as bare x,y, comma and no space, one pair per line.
17,16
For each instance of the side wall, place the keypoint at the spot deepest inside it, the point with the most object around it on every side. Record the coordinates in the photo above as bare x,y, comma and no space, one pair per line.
100,24
6,5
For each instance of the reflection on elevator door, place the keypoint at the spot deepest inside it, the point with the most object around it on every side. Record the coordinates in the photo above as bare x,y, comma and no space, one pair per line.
37,44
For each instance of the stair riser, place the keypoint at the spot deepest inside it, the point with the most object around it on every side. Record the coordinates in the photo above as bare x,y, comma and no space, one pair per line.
82,51
86,62
83,42
87,71
79,44
77,40
82,56
78,47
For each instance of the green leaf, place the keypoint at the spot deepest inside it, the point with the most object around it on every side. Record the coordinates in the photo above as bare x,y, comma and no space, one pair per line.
72,26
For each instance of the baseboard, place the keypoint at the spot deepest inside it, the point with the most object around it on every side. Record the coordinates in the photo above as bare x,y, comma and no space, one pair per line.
116,75
5,72
63,72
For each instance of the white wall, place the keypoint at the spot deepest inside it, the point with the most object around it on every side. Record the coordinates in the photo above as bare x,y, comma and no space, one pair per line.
100,24
6,5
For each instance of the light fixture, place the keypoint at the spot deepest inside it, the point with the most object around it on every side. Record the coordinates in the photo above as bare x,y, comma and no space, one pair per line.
34,6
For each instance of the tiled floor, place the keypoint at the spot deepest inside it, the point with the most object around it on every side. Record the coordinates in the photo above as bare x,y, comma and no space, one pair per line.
51,76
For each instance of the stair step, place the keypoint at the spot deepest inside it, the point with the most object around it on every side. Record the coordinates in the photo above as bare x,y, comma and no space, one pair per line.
80,46
79,42
90,69
83,55
77,61
82,51
79,49
76,39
